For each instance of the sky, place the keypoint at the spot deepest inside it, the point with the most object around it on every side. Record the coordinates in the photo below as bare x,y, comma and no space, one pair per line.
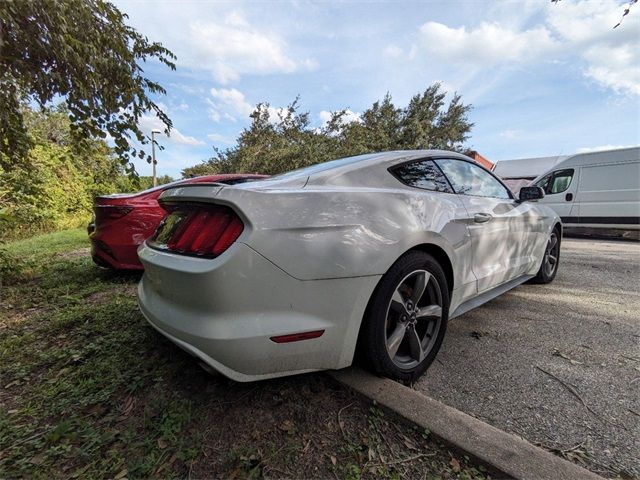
543,78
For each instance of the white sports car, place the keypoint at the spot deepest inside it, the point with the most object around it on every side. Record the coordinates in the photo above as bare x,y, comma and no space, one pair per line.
375,253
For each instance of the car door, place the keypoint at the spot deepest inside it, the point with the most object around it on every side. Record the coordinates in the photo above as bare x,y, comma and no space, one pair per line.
427,179
560,189
501,228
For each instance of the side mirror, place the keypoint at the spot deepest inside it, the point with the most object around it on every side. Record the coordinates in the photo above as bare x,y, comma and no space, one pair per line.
531,193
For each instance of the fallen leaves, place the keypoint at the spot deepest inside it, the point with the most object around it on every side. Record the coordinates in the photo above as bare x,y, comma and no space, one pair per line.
288,426
121,474
127,407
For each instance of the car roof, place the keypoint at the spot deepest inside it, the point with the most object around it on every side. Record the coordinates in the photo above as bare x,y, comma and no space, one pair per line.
342,165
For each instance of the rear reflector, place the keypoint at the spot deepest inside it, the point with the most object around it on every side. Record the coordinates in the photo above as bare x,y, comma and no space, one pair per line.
197,229
296,337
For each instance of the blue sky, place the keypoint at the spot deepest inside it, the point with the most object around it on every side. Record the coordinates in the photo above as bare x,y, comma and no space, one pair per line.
544,79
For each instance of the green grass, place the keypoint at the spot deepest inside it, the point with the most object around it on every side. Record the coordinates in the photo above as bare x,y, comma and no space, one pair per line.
42,246
74,351
89,390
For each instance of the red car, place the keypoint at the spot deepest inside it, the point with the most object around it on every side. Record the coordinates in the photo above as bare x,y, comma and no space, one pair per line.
121,222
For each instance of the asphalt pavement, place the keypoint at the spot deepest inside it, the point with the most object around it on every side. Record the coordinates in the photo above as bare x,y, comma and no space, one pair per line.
557,364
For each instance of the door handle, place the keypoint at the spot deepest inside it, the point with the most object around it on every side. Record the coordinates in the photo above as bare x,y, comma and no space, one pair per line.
482,217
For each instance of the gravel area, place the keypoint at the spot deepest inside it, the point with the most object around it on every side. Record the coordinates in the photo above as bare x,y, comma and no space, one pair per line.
557,364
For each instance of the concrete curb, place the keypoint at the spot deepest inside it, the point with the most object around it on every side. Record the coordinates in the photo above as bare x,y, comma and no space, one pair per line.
506,452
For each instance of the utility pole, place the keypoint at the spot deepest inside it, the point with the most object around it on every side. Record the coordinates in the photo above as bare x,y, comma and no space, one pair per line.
153,155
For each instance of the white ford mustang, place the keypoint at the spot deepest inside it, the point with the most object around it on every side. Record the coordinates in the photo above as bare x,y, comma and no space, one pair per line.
291,274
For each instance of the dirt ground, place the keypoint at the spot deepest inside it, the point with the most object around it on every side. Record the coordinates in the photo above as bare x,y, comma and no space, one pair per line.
557,364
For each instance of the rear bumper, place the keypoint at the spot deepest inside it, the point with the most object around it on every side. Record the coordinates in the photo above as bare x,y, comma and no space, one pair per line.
225,311
122,257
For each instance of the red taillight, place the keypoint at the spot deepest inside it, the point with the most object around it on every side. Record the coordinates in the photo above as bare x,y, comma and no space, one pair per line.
111,212
201,230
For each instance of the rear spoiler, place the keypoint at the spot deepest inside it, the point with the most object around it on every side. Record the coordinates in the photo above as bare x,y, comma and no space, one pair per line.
192,192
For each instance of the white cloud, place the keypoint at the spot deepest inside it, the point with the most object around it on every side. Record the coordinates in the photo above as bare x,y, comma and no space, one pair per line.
604,147
212,112
393,51
347,118
612,57
216,137
325,116
275,113
486,45
232,47
228,103
580,29
510,134
151,122
233,99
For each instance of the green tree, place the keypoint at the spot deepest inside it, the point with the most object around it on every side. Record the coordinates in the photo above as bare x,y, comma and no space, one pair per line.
54,183
274,145
83,52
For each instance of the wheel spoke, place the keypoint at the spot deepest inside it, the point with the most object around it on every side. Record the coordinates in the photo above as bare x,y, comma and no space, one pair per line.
394,341
552,259
430,311
554,242
422,278
415,345
397,303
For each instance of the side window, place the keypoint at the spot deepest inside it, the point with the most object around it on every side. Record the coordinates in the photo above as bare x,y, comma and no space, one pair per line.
561,181
544,183
422,174
469,179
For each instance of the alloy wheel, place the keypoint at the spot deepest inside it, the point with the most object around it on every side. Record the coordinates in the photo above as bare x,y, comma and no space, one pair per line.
551,254
413,319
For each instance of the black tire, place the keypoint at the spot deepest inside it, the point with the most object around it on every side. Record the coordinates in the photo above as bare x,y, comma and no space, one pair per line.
384,319
552,251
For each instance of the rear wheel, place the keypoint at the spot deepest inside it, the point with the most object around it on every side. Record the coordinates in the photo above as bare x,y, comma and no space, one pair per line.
407,318
550,260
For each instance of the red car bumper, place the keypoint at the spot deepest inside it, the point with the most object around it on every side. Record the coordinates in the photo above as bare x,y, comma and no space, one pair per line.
124,258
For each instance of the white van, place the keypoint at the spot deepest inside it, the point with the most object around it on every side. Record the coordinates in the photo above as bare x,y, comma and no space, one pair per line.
595,190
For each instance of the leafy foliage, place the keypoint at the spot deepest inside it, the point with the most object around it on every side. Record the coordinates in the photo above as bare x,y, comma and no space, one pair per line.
81,51
277,145
54,183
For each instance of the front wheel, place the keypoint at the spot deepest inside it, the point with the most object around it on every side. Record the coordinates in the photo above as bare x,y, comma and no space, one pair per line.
406,319
550,260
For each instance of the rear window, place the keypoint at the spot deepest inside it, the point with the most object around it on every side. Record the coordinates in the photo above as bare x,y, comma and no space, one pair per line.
422,174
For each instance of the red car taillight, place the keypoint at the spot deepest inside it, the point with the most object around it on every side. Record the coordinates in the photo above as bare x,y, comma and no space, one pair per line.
110,212
201,230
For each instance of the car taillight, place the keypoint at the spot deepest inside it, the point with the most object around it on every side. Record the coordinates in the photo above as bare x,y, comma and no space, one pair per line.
200,230
110,212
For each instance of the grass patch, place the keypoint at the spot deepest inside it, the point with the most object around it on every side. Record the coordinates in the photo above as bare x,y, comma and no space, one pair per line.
88,389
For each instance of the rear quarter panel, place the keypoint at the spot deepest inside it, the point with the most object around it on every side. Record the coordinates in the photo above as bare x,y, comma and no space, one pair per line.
333,233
